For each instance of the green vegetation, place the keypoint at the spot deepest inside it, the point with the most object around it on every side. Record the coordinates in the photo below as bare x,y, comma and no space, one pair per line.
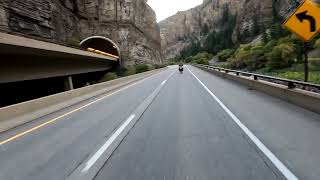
172,62
109,76
199,58
278,57
158,66
225,54
130,71
296,72
314,77
143,68
202,58
281,56
278,53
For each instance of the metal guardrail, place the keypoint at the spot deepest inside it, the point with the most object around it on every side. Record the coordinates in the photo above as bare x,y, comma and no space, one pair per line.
291,84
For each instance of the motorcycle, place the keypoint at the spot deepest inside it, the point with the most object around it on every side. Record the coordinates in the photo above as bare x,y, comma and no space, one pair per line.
180,69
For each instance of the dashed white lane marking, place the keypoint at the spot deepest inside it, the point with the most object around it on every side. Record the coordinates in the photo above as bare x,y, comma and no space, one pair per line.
164,82
277,163
112,138
106,145
73,111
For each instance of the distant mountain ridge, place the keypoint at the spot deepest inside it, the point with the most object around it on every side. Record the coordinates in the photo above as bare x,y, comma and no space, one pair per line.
245,16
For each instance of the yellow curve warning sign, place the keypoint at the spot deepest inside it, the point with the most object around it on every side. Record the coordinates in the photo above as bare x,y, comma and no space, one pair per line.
305,21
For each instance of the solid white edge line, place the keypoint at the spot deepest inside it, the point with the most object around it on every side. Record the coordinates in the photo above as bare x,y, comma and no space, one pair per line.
103,148
280,166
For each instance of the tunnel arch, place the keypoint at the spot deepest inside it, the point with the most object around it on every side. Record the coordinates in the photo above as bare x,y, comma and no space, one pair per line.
103,44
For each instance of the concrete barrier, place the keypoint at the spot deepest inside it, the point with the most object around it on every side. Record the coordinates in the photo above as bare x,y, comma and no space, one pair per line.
305,99
18,114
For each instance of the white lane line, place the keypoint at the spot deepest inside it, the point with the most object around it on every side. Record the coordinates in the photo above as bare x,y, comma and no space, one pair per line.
103,148
112,138
164,82
280,166
75,110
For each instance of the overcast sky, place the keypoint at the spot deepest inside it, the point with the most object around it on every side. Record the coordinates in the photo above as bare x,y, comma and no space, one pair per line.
166,8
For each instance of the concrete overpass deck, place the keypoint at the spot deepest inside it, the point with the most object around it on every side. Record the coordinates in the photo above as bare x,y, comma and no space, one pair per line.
28,59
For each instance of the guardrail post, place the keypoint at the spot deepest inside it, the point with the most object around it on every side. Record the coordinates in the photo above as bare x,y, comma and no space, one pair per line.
237,73
227,71
291,85
255,77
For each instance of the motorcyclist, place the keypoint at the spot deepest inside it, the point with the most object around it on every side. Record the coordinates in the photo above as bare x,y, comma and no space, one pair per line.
181,68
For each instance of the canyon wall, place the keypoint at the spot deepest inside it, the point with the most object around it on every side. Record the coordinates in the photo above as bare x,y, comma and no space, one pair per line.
131,24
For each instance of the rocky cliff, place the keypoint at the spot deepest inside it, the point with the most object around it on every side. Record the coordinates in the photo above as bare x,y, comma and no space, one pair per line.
180,30
129,23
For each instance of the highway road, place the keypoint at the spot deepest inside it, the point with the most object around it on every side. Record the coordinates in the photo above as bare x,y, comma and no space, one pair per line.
190,126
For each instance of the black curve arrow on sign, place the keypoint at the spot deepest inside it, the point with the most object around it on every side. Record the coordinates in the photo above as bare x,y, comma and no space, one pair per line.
303,16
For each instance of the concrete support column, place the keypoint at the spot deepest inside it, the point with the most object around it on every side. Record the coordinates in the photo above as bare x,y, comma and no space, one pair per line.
68,84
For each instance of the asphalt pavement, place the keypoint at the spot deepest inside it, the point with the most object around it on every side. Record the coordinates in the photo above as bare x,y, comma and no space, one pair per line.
175,126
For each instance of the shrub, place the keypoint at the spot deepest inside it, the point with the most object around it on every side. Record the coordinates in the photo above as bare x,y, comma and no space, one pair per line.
256,58
109,76
158,66
225,65
202,58
203,61
142,68
314,77
286,40
281,56
236,63
270,45
203,55
249,56
243,51
188,59
130,71
241,55
225,54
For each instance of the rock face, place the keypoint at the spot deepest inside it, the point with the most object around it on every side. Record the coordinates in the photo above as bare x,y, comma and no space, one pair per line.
178,31
131,24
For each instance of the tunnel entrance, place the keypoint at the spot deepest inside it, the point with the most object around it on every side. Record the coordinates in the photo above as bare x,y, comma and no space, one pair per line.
101,45
21,91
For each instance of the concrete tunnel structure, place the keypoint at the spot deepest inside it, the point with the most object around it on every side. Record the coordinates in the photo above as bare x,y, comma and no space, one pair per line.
31,68
101,45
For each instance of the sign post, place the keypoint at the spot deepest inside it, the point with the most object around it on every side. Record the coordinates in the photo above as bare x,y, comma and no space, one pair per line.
305,23
306,62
